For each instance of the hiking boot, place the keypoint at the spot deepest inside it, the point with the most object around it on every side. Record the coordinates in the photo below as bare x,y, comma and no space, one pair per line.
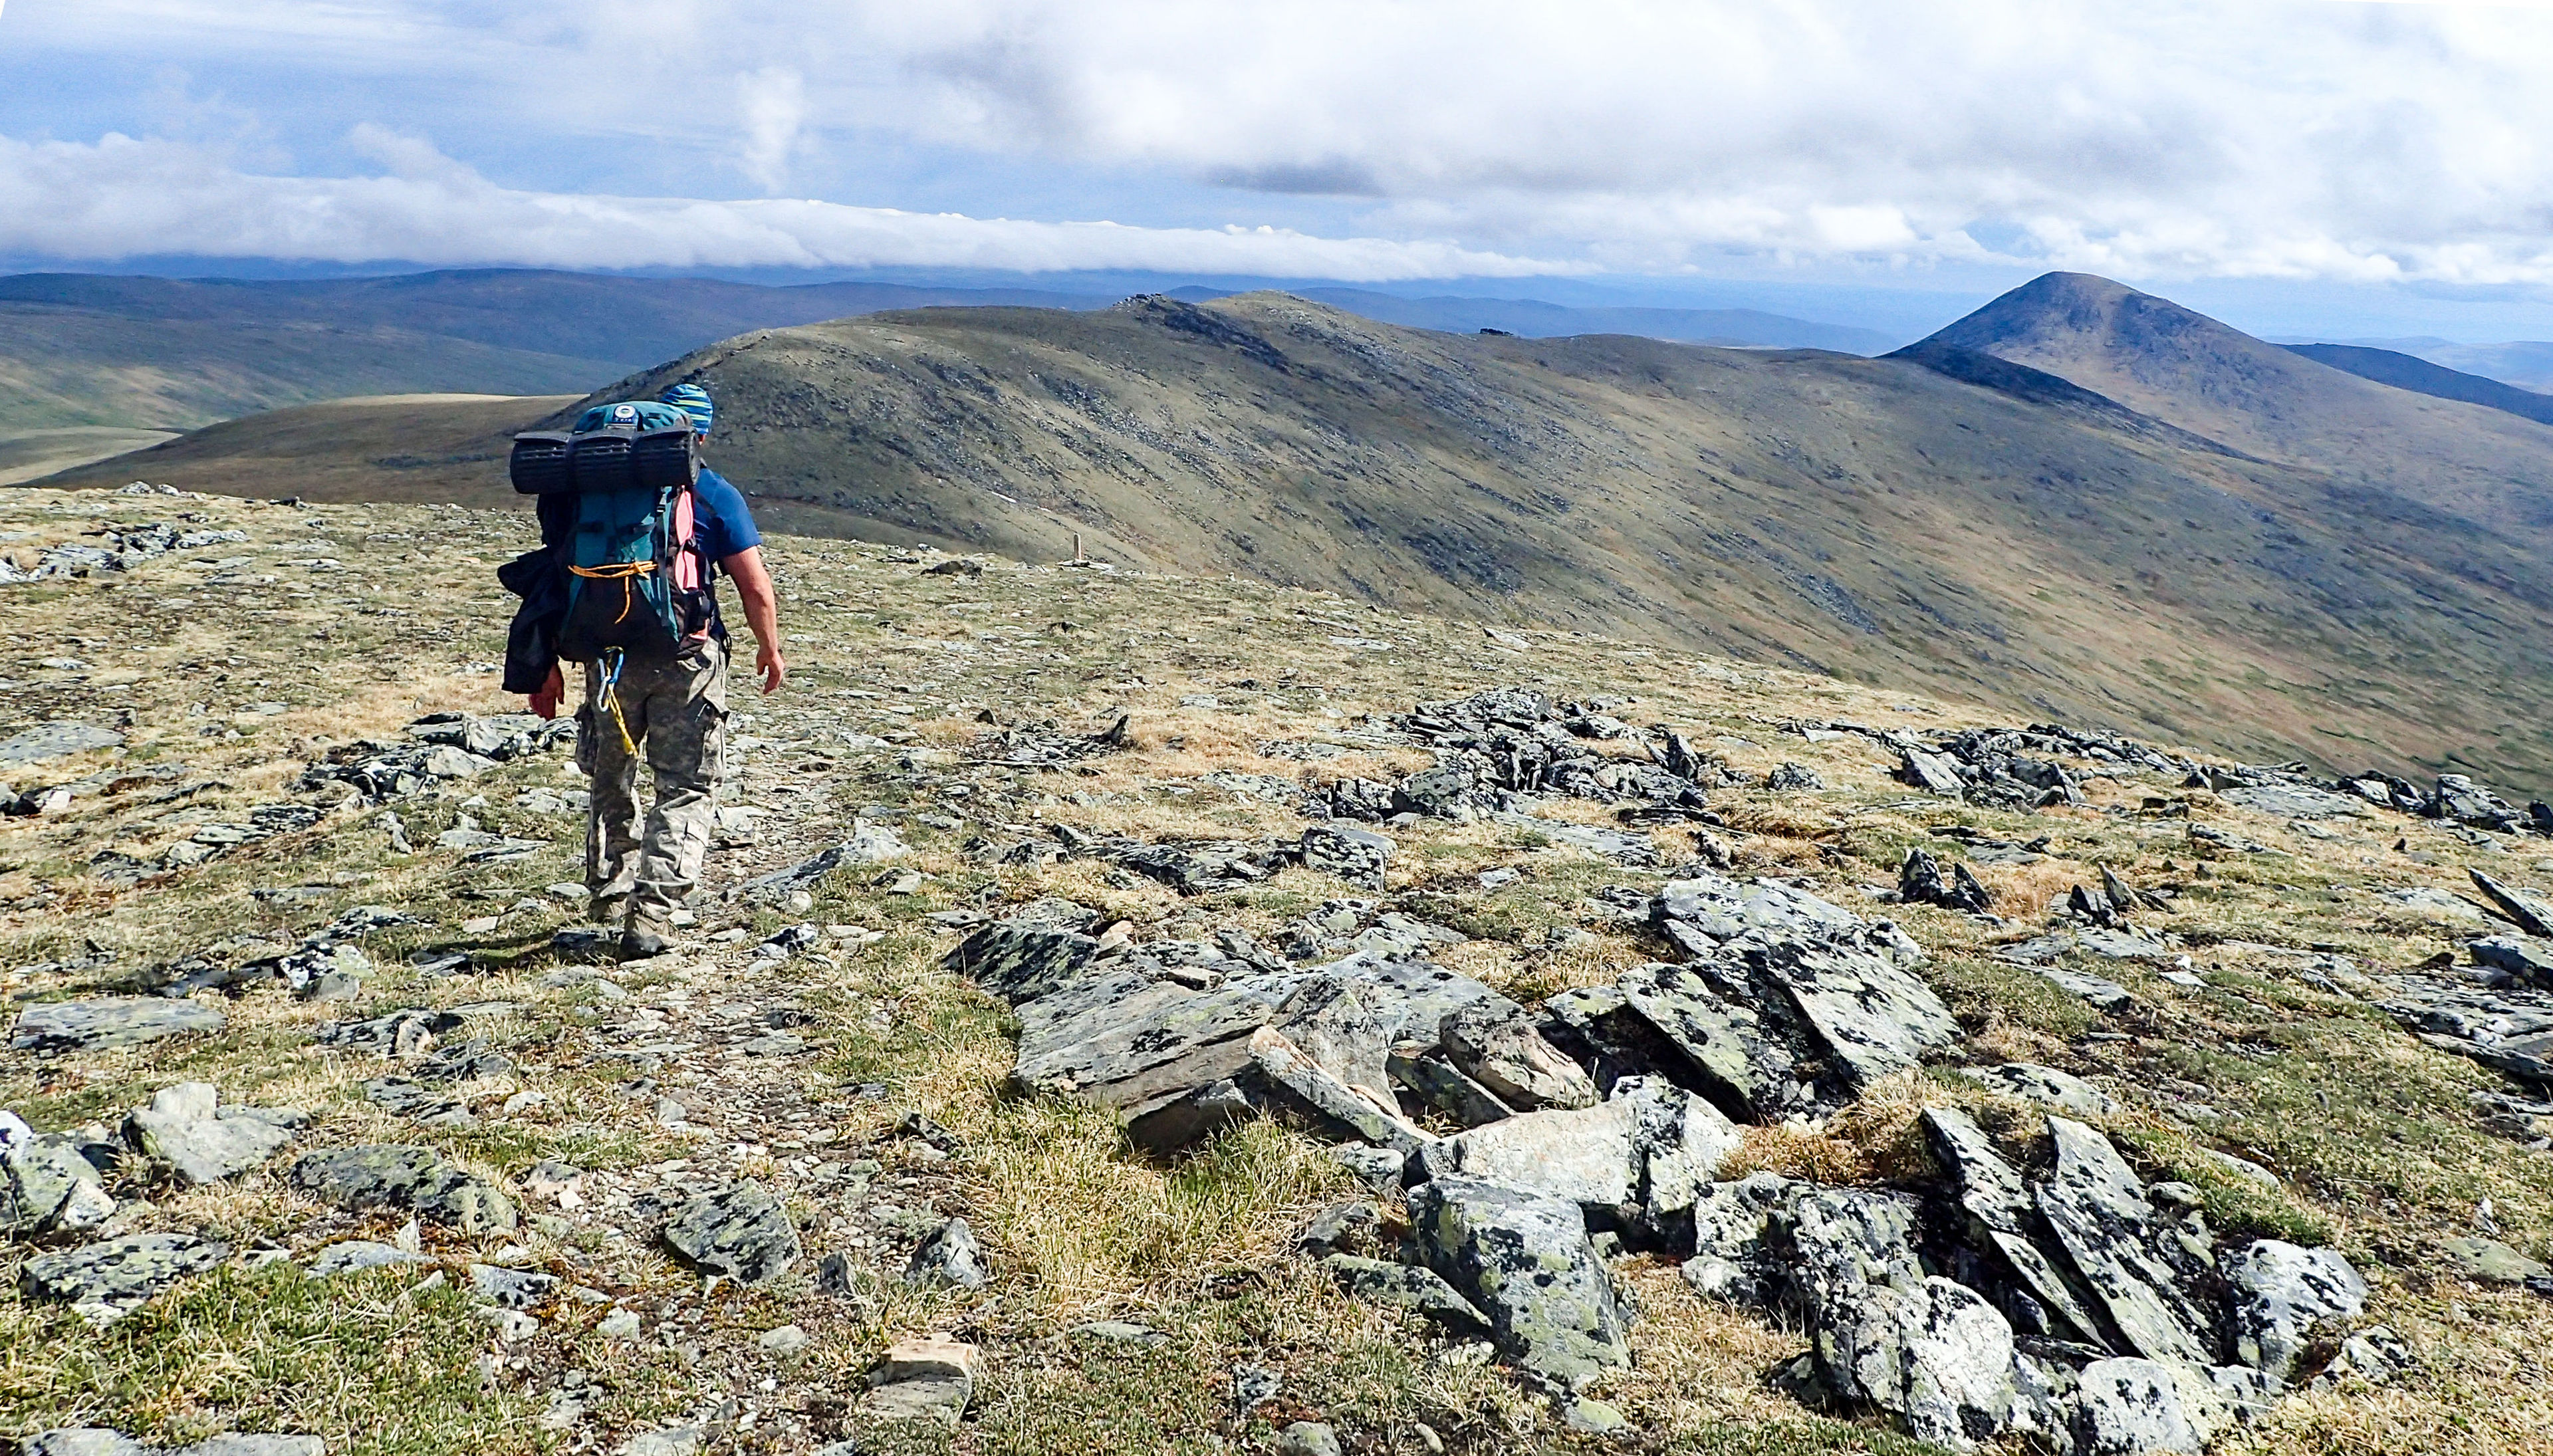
643,943
607,909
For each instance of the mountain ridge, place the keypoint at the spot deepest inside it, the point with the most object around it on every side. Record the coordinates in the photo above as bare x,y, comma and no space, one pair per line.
2032,540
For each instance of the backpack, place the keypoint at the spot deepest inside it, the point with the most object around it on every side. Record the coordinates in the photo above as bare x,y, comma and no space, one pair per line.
637,581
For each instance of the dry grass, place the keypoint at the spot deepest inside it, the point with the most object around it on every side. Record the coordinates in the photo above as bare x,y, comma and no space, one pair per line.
2370,1127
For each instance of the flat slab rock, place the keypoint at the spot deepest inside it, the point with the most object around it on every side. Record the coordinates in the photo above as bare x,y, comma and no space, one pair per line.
1118,1037
2044,1085
56,740
120,1274
740,1231
405,1177
111,1021
96,1441
186,1129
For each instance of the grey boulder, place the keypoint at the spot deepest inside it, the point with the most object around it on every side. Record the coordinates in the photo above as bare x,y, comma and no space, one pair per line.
2280,1291
2060,1091
1524,1260
46,1183
1403,1286
951,1256
402,1177
2139,1274
739,1231
2136,1408
184,1128
118,1275
354,1256
1358,856
1925,1349
109,1021
1732,1256
1653,1147
1502,1050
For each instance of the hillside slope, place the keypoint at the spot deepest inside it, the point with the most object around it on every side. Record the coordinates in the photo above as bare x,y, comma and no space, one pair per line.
430,448
1871,518
1946,520
2421,376
2155,356
1533,319
98,350
64,367
526,1200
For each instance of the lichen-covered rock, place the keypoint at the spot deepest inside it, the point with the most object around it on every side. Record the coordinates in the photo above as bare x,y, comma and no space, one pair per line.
1524,1260
1502,1050
1285,1076
1021,962
1789,1005
2136,1271
1732,1258
405,1177
110,1021
2002,1215
1404,1286
1938,1356
2133,1407
951,1256
1586,1156
1358,856
44,1182
2059,1091
1928,1350
1679,1142
113,1278
1179,1061
1652,1148
2278,1293
739,1231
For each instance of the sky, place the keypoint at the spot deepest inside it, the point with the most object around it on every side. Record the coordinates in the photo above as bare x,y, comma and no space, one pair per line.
2301,167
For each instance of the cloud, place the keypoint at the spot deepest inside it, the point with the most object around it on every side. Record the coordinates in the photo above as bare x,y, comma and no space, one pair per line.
125,197
774,102
2157,139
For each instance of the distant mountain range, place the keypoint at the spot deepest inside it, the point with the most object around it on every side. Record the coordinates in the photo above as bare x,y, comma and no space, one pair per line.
147,353
2527,365
2421,376
2082,502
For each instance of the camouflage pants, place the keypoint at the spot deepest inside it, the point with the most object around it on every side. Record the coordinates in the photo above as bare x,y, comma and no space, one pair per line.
676,712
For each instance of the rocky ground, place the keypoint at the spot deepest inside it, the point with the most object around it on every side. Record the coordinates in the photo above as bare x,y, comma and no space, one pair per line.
1146,1014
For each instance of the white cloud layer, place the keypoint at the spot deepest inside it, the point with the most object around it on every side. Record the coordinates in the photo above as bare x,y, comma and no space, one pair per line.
2142,138
123,197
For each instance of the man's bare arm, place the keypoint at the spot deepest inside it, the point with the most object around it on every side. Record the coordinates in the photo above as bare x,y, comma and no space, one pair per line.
761,612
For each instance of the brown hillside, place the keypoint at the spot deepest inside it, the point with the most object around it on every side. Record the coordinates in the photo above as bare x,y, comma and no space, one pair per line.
413,448
1991,533
2155,356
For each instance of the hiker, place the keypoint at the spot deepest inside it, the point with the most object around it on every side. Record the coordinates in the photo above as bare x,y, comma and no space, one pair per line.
671,705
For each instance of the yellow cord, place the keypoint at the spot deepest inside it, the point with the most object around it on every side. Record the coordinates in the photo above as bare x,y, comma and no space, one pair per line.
612,699
624,573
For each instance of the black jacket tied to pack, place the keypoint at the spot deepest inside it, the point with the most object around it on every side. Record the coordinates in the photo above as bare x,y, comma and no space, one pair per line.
531,641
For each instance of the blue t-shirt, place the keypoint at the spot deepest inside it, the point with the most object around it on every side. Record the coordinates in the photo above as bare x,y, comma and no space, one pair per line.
718,514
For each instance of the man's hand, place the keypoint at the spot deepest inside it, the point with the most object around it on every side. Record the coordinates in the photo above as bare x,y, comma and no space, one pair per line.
761,611
546,701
